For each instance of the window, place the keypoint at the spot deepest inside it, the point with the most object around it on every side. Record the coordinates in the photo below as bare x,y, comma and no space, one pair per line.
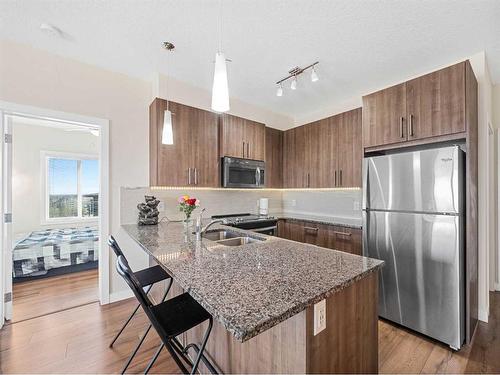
72,187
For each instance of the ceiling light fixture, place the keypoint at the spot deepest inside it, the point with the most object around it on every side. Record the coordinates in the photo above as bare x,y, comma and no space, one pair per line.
167,133
220,90
279,91
293,75
314,75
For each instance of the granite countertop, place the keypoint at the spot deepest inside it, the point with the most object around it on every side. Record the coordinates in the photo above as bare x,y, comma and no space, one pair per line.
250,288
329,220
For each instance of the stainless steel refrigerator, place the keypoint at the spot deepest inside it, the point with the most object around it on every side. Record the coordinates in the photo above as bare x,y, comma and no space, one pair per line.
413,219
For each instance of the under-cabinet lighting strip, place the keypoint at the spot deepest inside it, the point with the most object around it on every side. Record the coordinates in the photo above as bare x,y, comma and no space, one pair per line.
262,189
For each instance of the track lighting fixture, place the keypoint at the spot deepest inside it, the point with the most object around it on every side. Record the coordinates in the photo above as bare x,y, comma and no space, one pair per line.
293,74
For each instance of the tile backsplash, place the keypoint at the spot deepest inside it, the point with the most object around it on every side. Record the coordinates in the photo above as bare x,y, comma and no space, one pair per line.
330,203
216,202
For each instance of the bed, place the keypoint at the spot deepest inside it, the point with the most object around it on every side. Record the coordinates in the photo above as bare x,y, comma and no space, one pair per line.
53,252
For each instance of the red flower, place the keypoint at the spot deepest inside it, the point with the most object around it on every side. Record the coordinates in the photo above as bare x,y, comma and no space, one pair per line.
191,201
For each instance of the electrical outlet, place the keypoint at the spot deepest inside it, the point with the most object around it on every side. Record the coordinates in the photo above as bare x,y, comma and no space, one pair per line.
319,317
161,206
293,202
356,206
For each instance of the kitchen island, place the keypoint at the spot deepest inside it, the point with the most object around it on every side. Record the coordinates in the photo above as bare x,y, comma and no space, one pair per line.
262,296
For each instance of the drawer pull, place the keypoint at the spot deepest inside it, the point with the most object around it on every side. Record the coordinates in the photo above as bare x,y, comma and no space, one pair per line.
311,228
342,233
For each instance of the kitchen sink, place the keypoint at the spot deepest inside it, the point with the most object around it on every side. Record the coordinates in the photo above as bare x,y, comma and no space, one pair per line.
220,234
229,238
238,241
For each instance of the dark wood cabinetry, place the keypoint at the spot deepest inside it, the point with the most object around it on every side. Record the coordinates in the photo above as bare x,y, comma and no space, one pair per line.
274,158
424,108
242,138
325,235
325,153
193,159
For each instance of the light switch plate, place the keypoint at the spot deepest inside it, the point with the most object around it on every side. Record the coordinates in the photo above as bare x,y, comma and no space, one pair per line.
161,206
356,206
319,317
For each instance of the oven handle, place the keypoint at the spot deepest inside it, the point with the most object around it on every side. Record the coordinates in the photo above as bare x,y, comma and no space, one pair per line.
264,229
257,176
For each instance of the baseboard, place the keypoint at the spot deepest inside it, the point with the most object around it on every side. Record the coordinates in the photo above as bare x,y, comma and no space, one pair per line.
483,315
121,295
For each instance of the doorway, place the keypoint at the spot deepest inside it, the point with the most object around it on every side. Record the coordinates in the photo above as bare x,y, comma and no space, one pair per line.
55,206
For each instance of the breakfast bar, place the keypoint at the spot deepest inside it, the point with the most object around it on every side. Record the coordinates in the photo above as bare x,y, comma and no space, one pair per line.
266,297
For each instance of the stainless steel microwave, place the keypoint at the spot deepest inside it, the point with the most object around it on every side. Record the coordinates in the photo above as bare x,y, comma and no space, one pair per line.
242,173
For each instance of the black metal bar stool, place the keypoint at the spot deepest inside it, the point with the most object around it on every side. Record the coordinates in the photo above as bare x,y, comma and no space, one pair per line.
170,319
146,278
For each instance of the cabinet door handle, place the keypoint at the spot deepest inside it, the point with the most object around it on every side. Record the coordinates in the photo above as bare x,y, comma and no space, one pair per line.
189,176
195,176
308,180
401,121
410,123
342,233
340,177
243,149
335,178
248,153
311,228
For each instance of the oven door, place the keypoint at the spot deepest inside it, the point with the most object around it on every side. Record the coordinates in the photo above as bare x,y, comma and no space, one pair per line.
242,173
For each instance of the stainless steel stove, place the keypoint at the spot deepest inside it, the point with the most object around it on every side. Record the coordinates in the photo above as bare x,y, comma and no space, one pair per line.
256,223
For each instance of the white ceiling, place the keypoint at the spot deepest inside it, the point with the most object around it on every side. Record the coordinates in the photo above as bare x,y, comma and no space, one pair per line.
361,45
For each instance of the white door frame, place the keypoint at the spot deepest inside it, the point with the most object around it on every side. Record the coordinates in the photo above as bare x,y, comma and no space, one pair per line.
7,108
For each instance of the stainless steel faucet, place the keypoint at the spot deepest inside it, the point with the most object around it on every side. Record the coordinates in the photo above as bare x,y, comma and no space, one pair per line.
212,223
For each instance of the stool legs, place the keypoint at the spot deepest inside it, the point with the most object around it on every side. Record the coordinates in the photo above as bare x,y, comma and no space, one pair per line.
128,320
174,346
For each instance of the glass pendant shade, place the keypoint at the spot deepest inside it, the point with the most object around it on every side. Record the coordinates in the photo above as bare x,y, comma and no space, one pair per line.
314,75
220,91
279,91
293,85
167,134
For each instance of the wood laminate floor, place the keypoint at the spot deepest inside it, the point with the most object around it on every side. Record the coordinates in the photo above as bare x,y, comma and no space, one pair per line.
76,341
52,294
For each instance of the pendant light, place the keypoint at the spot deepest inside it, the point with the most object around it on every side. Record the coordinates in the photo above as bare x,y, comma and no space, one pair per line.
293,85
167,133
220,90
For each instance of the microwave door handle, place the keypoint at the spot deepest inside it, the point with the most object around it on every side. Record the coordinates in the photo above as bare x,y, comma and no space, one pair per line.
257,176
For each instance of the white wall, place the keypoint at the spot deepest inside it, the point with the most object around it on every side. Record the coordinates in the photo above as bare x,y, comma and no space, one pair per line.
486,228
496,176
33,77
28,143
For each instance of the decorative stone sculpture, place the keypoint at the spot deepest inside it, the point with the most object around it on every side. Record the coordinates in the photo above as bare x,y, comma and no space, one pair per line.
148,212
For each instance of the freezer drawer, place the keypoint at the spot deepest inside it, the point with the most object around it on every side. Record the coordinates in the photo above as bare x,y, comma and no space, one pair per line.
421,284
423,181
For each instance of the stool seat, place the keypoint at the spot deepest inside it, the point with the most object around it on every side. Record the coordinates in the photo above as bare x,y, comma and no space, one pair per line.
179,314
151,275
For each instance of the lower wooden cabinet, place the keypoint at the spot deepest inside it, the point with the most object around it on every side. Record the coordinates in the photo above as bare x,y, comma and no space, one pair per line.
324,235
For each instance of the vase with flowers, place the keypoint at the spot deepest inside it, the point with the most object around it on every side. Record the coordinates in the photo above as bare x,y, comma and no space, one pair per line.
188,205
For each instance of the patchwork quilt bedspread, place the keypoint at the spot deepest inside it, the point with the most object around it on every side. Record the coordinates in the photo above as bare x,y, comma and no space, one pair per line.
43,250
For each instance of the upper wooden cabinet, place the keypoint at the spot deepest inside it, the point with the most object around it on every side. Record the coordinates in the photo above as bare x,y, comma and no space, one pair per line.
323,154
433,105
242,138
274,158
384,114
193,159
